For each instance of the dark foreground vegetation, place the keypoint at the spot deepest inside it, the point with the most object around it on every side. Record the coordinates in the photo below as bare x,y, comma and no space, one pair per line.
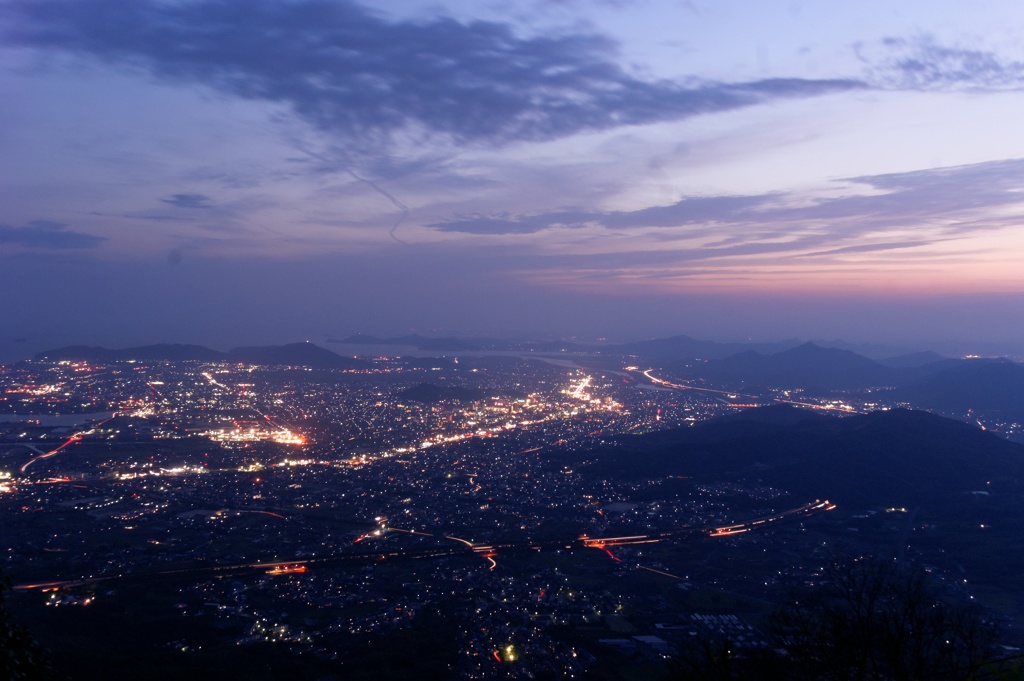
867,619
21,656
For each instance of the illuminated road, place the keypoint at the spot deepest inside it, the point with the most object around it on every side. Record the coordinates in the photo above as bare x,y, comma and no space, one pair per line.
74,438
683,386
465,548
848,410
678,386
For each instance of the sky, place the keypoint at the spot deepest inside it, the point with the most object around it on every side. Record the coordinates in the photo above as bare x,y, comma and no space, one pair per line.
232,172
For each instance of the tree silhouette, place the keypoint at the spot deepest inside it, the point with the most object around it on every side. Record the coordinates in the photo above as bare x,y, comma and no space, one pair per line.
871,620
867,619
21,657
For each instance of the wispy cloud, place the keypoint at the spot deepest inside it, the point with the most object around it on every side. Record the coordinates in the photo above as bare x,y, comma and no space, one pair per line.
188,201
350,71
47,235
932,229
869,248
689,211
948,200
921,63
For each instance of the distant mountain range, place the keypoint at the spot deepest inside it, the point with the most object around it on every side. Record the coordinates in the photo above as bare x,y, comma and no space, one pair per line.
908,361
675,348
679,348
414,340
809,365
161,351
292,354
451,344
995,385
888,458
804,365
952,385
922,379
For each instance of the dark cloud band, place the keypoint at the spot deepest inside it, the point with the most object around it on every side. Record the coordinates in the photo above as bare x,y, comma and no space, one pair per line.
347,70
188,201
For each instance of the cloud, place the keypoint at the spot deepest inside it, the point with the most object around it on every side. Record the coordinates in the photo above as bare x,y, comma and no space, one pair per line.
48,235
158,218
490,226
915,229
519,225
349,71
952,195
922,64
870,248
188,201
688,211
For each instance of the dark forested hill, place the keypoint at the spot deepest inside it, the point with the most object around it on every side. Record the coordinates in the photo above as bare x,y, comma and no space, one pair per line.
295,354
803,366
892,458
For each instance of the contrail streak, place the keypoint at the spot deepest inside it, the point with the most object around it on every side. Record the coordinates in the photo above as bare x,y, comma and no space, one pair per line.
345,164
398,204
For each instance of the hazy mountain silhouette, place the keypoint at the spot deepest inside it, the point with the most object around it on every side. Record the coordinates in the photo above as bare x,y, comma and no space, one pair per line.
360,339
681,348
448,344
809,366
415,340
293,354
162,351
76,352
911,360
676,348
980,385
869,350
799,367
673,349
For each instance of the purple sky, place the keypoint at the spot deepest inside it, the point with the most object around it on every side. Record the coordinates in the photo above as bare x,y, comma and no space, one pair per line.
229,172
